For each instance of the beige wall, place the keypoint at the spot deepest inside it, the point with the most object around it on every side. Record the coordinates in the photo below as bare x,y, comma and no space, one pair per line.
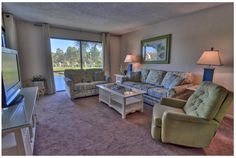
77,35
31,47
115,55
191,35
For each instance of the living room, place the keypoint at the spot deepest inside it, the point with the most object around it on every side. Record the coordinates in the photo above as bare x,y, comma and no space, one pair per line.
81,119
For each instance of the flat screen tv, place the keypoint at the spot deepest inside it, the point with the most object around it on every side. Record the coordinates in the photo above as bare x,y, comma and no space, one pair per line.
11,83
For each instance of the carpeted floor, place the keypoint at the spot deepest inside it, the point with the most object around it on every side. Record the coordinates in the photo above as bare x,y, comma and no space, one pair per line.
87,127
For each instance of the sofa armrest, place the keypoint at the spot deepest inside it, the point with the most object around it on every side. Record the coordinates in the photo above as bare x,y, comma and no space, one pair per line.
69,82
177,90
173,102
187,130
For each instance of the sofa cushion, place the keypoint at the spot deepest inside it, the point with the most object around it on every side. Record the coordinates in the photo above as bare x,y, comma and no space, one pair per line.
134,76
158,111
155,77
77,78
157,92
87,77
99,76
129,83
171,80
98,82
84,86
144,74
205,101
143,86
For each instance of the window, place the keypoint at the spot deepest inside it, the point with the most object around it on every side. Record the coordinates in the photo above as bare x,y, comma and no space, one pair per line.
74,54
92,56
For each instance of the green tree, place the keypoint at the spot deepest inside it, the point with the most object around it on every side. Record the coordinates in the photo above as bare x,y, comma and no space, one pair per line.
72,56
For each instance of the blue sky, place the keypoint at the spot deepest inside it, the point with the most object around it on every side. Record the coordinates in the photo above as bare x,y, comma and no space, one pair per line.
60,43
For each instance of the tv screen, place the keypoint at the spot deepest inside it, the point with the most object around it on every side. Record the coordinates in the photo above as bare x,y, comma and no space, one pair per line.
9,70
10,77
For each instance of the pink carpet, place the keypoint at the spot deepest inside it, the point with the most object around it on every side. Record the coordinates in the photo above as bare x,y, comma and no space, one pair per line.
87,127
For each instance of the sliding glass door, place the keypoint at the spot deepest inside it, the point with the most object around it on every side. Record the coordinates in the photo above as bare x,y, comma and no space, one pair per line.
74,54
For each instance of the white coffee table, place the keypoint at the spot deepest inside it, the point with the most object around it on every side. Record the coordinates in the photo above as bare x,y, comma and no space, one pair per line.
122,99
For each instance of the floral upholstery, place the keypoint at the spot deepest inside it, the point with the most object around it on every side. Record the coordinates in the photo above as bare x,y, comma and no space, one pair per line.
176,84
143,86
134,76
81,83
157,92
155,77
144,74
130,83
206,100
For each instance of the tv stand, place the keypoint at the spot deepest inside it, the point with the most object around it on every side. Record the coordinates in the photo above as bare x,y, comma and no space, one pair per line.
18,128
17,100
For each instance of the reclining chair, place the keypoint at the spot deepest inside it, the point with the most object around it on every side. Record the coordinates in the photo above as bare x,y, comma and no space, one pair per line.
193,122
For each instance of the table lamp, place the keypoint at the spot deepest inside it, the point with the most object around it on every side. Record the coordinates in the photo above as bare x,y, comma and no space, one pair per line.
209,57
130,58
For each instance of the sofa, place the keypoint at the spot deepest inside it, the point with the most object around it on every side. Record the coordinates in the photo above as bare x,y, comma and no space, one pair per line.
193,122
83,83
159,83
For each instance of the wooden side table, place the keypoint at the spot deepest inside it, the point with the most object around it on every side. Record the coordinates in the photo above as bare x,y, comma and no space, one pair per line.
120,78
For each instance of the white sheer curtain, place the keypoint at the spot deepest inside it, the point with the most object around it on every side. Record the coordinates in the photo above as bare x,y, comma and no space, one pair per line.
48,58
106,52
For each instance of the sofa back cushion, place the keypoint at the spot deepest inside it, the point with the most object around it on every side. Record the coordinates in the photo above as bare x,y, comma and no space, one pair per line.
206,101
134,76
155,77
99,76
188,77
75,75
171,80
144,74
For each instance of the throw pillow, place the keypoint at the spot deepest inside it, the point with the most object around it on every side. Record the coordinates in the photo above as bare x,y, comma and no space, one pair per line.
77,78
155,77
99,76
171,80
87,78
134,76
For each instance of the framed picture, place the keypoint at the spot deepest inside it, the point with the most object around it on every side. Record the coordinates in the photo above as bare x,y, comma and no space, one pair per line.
156,50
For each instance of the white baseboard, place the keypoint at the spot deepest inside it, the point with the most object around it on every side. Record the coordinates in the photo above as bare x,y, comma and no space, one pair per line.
229,116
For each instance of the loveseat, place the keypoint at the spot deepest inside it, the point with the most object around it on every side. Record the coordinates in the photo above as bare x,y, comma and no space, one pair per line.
159,83
82,83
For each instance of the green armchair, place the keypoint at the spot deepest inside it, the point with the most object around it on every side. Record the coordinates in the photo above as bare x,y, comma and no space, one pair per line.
193,122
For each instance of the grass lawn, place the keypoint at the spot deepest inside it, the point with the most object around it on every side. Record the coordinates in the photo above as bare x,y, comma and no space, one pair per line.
63,68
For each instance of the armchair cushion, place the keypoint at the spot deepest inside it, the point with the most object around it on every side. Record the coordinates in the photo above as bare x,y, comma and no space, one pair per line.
206,101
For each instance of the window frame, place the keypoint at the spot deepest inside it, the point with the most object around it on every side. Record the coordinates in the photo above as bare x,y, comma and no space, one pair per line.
80,45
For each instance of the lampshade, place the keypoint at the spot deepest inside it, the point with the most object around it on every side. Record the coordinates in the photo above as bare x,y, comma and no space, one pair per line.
131,58
210,57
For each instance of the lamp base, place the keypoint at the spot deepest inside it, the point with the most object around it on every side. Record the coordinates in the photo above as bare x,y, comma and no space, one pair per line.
129,68
208,74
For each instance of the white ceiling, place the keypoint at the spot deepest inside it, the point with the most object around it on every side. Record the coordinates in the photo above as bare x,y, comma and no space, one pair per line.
116,18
